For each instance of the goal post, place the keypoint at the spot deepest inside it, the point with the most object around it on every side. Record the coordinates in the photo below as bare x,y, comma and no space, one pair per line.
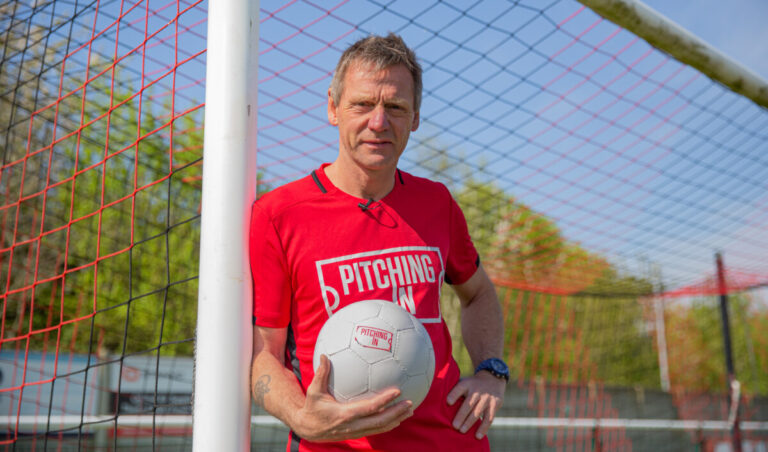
223,347
669,37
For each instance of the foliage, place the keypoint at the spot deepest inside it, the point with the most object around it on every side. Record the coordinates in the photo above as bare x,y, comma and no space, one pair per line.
695,341
105,247
571,316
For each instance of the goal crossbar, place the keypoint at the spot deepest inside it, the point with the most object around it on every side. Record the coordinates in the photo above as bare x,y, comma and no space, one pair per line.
684,46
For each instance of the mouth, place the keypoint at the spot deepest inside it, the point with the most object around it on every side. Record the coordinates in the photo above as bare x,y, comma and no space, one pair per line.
377,143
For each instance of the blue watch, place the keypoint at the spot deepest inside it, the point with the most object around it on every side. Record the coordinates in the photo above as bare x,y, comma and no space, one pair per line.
495,366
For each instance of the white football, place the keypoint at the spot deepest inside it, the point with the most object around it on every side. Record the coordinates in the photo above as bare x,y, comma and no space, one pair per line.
374,345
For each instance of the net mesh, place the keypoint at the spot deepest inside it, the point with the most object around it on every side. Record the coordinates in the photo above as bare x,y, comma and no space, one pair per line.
597,175
100,131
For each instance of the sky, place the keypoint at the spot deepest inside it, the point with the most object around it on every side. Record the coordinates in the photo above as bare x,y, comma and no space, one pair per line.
735,27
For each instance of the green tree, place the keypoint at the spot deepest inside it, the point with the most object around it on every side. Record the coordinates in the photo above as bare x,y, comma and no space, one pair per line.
105,247
695,342
570,315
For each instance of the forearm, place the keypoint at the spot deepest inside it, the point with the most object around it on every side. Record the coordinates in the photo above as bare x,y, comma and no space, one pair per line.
275,388
482,328
482,324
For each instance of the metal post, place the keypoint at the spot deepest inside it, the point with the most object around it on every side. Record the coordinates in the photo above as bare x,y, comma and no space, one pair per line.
104,397
683,45
661,341
221,416
732,382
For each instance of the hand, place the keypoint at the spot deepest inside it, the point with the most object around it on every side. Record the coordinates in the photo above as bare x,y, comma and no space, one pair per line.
324,419
483,396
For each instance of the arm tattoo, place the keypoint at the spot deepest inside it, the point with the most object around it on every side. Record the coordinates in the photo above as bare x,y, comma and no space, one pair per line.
260,388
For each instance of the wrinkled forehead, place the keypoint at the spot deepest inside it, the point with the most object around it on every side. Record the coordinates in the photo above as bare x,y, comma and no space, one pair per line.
396,75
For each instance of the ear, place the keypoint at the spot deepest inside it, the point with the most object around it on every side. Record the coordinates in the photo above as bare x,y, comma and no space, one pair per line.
415,124
332,116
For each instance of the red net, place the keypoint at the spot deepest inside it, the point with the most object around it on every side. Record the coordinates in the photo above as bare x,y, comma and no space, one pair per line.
101,144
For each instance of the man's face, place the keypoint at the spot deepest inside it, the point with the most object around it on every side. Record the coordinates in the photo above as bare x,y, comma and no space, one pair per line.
375,115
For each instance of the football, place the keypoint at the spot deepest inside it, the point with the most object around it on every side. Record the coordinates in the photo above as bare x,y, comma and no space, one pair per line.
374,345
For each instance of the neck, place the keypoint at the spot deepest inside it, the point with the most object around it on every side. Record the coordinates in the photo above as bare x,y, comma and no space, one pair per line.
360,182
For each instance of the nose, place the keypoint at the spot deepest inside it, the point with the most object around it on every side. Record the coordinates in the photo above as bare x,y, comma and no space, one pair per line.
378,121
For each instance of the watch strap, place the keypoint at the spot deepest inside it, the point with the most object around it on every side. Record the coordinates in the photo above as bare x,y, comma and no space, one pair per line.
495,367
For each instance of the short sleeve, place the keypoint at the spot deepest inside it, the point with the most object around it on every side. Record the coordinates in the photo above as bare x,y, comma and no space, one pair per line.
463,259
269,270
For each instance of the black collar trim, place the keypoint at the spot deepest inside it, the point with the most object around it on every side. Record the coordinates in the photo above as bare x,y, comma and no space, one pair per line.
322,189
317,181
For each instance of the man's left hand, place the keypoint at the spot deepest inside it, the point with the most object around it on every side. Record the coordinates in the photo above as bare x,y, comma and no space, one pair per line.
483,396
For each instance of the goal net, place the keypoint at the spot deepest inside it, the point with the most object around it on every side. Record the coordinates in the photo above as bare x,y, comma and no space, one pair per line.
597,173
100,136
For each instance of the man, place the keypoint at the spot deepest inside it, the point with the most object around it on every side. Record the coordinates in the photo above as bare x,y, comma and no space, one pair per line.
362,212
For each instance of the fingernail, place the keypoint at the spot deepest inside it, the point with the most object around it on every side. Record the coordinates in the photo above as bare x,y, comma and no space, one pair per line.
464,430
456,425
479,436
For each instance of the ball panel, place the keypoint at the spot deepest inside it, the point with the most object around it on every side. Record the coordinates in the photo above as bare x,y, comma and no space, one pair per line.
431,368
415,389
412,352
393,314
386,374
358,311
339,339
349,375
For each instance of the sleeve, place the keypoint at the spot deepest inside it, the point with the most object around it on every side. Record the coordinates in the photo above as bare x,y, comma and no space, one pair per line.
269,270
463,260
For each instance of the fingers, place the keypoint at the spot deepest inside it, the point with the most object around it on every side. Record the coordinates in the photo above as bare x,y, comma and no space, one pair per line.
373,405
457,392
480,403
466,416
383,421
488,415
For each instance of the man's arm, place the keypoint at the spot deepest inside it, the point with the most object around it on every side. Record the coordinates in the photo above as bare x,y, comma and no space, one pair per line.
316,416
482,328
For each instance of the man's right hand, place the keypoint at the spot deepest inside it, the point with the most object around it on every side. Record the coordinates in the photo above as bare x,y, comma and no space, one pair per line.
322,418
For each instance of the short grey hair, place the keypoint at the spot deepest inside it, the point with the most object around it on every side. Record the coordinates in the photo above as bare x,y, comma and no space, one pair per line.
381,52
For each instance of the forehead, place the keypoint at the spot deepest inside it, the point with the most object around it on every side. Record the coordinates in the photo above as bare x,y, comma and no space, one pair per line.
363,77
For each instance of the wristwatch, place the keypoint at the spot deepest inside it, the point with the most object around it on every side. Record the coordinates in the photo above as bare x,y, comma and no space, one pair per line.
495,366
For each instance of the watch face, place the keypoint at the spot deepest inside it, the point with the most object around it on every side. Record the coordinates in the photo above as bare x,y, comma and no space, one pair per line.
499,366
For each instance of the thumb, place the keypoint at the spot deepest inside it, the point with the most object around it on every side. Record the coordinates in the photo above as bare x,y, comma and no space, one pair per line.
459,390
319,384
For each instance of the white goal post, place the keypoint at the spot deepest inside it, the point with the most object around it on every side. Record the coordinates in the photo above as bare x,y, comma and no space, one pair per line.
667,36
222,406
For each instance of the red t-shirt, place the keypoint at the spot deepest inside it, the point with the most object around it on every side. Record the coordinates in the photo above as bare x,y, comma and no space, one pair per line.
314,250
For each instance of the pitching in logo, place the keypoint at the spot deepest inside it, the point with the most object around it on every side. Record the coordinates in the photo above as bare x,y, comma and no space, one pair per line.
371,337
409,276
